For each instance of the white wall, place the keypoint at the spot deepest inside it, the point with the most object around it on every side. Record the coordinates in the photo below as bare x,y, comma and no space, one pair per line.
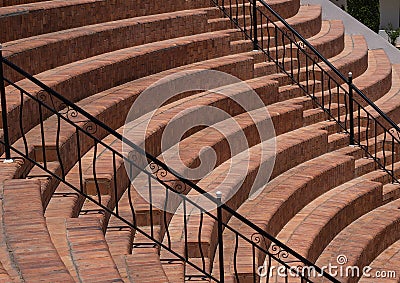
390,13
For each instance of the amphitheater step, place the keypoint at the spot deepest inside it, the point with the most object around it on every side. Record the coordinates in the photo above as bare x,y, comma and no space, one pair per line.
327,215
365,165
26,233
66,15
364,239
284,197
125,33
385,266
391,192
89,251
144,265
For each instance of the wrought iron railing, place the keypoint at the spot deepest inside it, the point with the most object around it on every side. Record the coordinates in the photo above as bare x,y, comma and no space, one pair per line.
86,133
354,113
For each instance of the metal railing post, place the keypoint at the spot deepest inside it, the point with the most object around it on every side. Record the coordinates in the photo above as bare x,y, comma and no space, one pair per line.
255,42
220,239
4,110
351,110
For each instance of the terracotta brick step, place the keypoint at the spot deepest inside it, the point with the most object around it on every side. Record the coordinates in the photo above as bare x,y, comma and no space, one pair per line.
58,235
327,215
4,3
365,165
206,137
113,96
281,199
286,143
365,238
47,182
107,70
91,210
70,14
127,209
355,50
26,233
389,102
391,192
8,271
144,265
285,8
315,115
377,78
89,251
341,139
329,41
387,261
353,58
310,14
269,68
307,22
71,196
190,147
39,53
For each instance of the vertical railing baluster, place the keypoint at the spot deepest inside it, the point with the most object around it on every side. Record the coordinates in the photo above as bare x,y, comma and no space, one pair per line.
167,233
42,137
151,207
199,243
359,123
376,140
78,148
96,182
220,239
185,228
322,90
393,158
255,39
235,256
244,16
3,102
58,147
130,193
254,262
115,182
351,110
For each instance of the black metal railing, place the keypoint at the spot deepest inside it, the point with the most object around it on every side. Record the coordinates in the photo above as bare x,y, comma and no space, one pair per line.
64,133
354,113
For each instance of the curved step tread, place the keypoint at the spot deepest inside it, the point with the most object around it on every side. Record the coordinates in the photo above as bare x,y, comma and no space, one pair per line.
89,251
324,217
364,239
26,233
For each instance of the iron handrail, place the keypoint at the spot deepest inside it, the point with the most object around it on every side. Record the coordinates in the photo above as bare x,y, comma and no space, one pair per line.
153,159
330,65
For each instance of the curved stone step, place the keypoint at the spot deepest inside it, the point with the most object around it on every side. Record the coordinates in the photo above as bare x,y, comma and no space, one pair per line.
286,143
40,53
387,264
70,14
280,200
89,251
327,215
106,70
26,233
364,239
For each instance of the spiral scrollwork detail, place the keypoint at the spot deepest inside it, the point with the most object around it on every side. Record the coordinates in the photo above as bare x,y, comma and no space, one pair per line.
394,132
158,171
278,252
90,127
